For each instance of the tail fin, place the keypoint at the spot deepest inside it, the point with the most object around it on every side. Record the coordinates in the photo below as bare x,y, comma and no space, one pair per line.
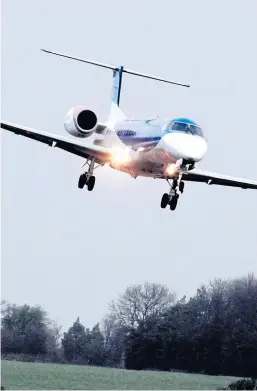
116,113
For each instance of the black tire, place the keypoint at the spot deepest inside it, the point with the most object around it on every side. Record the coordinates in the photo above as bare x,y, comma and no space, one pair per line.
91,183
165,200
181,187
173,202
82,181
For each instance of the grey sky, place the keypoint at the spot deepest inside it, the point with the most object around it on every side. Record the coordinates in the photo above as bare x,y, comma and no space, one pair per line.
72,251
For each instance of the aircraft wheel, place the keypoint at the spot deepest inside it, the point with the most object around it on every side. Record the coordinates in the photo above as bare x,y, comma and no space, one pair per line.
82,181
165,200
91,183
173,202
181,187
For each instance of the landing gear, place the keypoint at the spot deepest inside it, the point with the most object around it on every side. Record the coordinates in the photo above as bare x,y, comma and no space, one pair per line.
87,178
82,181
171,199
91,183
173,202
181,187
165,200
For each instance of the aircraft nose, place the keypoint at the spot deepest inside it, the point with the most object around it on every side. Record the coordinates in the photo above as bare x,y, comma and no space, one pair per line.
186,146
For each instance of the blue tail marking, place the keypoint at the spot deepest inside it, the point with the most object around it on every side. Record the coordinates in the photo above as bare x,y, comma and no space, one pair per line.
116,88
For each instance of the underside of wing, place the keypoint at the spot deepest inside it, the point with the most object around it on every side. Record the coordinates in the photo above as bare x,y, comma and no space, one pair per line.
211,178
76,147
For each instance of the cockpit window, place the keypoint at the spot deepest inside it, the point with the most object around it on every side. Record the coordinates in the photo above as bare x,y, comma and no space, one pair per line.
187,128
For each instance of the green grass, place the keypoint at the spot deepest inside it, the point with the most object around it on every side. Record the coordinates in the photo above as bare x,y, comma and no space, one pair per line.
28,376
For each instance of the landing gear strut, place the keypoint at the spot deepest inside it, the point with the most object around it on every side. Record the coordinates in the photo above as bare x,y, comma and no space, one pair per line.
171,199
181,187
87,178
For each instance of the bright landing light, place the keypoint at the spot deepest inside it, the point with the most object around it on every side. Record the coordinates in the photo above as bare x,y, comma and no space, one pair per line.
120,155
171,169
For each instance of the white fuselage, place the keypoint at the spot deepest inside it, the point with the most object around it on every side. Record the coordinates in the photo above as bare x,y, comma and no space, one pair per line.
148,148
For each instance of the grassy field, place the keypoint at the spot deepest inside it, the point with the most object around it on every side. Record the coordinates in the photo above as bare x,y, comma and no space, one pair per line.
28,376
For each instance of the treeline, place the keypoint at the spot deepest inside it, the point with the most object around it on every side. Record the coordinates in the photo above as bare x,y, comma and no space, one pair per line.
214,332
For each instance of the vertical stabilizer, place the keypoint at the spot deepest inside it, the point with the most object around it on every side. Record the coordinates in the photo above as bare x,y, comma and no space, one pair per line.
116,88
116,113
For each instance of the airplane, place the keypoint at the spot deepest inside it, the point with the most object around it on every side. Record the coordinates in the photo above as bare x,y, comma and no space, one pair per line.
167,149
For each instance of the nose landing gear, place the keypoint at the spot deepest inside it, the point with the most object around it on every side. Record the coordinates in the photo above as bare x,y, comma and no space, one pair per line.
171,199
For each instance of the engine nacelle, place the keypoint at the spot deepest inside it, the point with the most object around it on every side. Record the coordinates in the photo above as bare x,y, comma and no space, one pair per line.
80,122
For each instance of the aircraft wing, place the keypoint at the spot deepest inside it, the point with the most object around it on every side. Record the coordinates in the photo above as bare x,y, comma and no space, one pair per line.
77,147
212,178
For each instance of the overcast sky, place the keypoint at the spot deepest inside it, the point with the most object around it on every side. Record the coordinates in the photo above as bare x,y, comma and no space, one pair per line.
73,251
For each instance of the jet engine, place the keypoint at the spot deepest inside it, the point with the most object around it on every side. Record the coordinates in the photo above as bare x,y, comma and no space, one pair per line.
80,122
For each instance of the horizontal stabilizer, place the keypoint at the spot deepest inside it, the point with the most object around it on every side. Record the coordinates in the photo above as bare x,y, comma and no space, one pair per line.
115,68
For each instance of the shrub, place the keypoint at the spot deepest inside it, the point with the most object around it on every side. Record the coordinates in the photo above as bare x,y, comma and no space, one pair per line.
243,384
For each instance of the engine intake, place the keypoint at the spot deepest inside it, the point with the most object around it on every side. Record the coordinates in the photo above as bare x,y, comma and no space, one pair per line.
80,122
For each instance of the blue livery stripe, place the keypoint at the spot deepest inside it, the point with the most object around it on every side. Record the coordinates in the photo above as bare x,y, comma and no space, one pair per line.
139,139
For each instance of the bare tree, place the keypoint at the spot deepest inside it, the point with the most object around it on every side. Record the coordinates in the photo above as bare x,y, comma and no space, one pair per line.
140,301
109,325
114,335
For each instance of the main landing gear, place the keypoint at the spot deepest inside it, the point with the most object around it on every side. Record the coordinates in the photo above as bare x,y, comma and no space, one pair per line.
87,178
171,199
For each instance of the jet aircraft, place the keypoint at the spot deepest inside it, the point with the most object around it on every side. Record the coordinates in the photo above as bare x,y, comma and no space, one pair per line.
167,149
